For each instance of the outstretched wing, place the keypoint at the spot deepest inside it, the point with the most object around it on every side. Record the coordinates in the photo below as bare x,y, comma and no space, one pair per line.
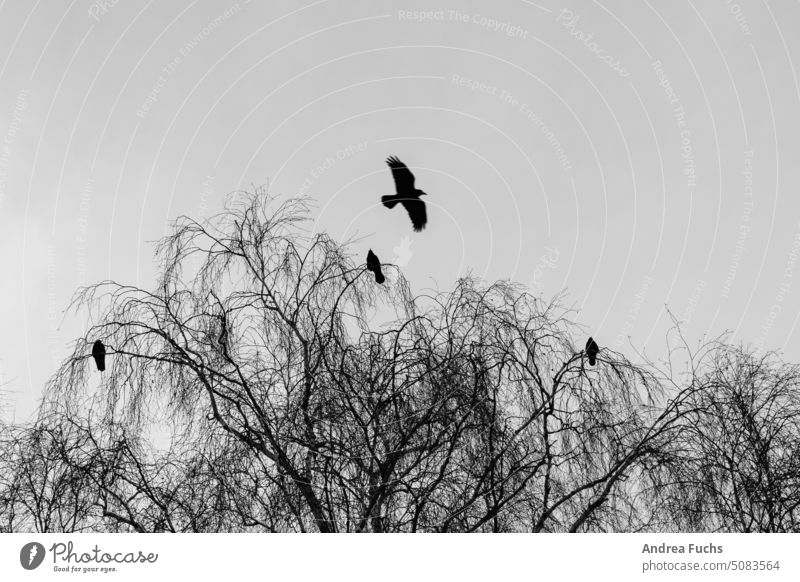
416,211
403,178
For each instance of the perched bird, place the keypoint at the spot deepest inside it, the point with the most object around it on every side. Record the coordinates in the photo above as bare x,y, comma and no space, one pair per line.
99,355
374,265
406,195
591,351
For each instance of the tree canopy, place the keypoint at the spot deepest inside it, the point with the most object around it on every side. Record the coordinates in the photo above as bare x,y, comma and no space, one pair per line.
253,389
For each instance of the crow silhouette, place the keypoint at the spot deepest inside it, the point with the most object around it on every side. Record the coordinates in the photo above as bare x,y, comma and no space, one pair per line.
406,194
591,351
374,265
99,355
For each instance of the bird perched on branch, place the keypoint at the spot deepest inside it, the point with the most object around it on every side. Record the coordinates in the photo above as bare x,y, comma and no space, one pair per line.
374,265
591,351
99,355
406,194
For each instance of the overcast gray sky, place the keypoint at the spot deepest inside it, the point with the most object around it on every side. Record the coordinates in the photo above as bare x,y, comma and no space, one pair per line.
640,155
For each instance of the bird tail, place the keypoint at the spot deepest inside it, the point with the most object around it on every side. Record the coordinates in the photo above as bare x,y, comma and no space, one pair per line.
389,201
592,360
379,278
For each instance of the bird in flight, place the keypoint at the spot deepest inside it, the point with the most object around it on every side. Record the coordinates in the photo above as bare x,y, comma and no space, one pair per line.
99,355
406,194
374,265
591,351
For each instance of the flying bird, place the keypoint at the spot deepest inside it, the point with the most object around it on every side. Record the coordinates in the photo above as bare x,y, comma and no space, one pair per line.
591,351
406,194
374,265
99,355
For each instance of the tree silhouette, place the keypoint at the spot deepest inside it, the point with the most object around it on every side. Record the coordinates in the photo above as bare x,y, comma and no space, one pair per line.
252,390
740,451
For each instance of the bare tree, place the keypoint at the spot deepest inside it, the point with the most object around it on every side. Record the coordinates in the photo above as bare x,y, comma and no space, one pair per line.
739,468
253,390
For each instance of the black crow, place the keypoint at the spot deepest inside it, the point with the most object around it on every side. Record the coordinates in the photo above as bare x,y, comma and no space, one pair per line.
99,355
374,265
591,351
406,195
